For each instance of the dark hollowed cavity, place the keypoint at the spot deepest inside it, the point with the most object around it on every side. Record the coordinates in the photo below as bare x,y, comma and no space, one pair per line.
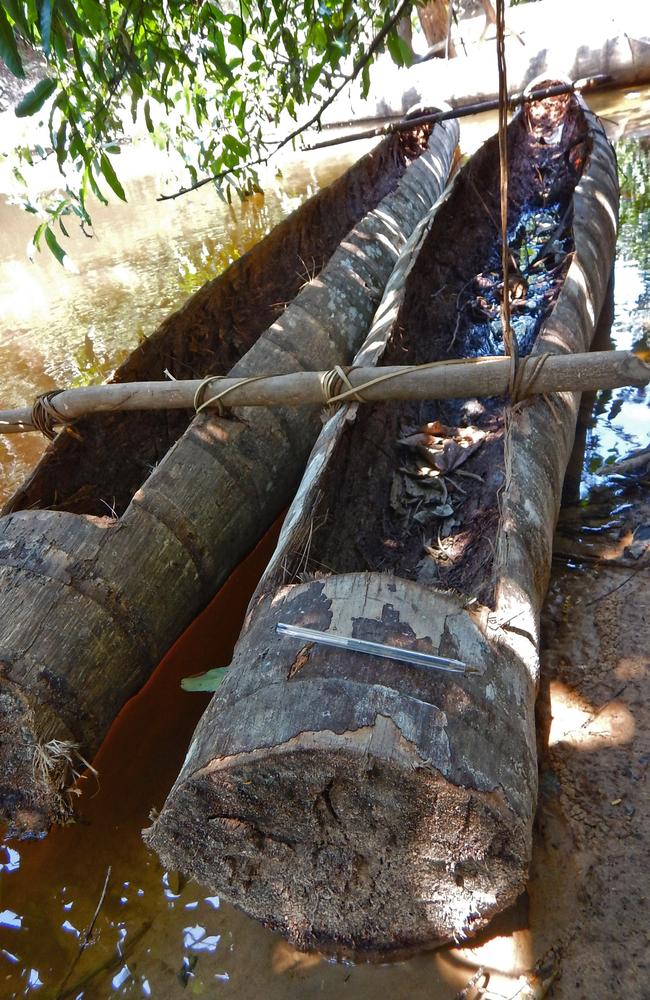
401,496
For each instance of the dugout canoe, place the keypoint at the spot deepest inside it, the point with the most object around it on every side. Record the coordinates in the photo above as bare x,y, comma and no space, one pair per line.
359,804
130,523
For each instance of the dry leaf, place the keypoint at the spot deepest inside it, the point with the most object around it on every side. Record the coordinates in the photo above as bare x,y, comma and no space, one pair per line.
445,447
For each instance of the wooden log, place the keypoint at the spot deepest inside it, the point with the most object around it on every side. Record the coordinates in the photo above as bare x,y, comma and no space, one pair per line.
434,18
105,460
466,110
613,40
478,377
89,605
353,803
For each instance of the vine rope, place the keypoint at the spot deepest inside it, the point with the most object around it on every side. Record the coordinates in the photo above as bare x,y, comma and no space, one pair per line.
336,386
45,414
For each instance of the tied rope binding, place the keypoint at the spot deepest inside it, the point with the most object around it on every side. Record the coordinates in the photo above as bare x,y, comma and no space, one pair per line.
337,389
45,414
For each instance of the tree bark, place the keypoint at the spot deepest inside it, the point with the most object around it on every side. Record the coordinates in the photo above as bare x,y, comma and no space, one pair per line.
434,18
89,605
349,802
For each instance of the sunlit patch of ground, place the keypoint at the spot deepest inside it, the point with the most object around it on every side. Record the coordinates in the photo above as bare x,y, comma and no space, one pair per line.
583,726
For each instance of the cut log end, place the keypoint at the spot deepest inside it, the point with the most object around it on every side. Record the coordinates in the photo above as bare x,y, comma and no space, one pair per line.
30,799
347,843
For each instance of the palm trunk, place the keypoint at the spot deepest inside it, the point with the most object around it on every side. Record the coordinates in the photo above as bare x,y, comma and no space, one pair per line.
89,605
347,801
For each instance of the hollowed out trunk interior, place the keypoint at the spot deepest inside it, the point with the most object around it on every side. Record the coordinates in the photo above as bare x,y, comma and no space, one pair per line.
440,528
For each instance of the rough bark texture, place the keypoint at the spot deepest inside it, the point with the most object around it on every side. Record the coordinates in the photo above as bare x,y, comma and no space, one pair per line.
354,803
434,18
103,460
345,801
89,605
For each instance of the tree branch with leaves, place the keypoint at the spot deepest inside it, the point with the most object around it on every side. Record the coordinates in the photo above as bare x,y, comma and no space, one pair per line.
217,83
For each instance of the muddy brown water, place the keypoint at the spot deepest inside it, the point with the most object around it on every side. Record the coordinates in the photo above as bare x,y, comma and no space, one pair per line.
152,935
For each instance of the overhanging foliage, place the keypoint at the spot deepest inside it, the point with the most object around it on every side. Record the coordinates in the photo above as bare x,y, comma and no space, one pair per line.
216,82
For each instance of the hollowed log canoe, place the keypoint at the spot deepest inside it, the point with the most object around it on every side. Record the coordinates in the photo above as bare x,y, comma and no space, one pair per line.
89,603
357,804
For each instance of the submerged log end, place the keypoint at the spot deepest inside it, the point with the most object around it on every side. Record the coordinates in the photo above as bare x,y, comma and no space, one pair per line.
347,842
29,800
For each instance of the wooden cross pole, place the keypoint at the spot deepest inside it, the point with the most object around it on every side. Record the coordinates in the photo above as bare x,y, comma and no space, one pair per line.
460,378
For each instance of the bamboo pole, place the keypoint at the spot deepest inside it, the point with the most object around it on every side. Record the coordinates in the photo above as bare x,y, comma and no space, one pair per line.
445,380
465,111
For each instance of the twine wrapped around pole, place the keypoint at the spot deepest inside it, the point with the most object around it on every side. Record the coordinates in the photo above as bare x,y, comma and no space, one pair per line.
455,378
45,414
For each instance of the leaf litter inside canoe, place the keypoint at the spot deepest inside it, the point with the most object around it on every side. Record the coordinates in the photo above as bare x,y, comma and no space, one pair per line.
420,489
445,447
428,474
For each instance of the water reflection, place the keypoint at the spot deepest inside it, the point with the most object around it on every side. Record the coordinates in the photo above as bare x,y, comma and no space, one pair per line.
621,418
73,329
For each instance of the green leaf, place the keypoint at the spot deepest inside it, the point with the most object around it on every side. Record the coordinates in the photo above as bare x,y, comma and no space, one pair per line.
45,23
289,44
15,9
235,146
311,76
59,142
217,60
147,117
36,240
399,50
54,244
71,18
78,60
208,681
365,80
8,48
111,176
318,37
36,98
237,31
77,149
94,14
59,38
94,186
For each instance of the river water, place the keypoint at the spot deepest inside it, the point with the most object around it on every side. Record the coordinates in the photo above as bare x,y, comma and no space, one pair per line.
152,935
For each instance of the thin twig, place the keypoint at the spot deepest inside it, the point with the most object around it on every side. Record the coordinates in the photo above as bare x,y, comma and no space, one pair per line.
111,963
483,203
359,65
87,936
608,593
